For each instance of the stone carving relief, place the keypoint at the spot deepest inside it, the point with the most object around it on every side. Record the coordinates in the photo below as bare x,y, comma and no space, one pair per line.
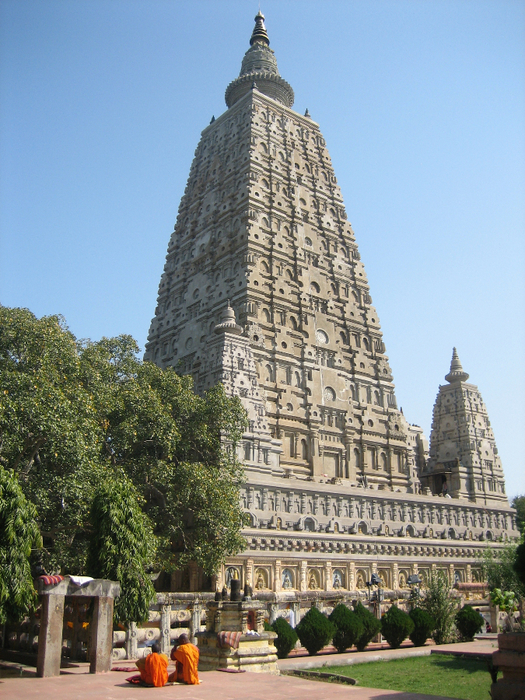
261,579
287,579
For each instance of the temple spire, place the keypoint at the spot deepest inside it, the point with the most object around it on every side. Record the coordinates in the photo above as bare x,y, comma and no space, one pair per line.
259,65
456,373
259,32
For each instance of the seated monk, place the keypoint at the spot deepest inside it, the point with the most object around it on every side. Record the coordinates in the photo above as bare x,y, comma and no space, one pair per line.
186,657
154,668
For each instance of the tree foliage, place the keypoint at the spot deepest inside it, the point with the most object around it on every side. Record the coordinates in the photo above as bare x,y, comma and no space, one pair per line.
498,569
74,415
439,604
519,563
424,625
349,627
315,631
396,626
469,622
19,537
286,637
48,428
122,546
371,626
518,502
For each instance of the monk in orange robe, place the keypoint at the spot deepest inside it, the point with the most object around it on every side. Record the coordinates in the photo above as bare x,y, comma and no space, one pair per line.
186,657
154,668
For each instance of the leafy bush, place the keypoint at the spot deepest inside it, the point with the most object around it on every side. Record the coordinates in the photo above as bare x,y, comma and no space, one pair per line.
371,626
396,625
286,637
424,625
121,547
519,563
349,627
469,622
315,631
19,536
441,606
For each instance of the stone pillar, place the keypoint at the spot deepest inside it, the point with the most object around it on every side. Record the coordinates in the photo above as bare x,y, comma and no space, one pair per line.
303,584
50,636
273,609
131,641
165,629
195,621
303,503
351,576
101,643
395,576
248,568
328,576
494,617
277,583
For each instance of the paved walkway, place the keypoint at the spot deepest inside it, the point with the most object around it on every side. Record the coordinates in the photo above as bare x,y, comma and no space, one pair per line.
76,684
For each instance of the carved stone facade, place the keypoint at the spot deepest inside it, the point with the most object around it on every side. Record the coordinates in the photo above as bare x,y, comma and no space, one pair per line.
264,289
463,460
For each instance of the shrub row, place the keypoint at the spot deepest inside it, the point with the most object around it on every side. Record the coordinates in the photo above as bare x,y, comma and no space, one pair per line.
346,628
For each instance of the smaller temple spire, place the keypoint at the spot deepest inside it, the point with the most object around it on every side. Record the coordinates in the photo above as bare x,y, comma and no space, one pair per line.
259,33
228,322
456,373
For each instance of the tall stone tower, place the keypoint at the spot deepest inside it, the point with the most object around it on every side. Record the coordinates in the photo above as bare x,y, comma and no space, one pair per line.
463,460
262,227
264,290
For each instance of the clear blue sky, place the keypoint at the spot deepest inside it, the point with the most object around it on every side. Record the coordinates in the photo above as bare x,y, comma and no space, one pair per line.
422,105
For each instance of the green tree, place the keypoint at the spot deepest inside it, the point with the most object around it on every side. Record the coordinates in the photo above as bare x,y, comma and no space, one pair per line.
178,448
19,537
499,571
72,413
315,631
439,604
518,502
122,546
396,626
469,622
371,626
286,637
48,429
424,625
519,563
349,627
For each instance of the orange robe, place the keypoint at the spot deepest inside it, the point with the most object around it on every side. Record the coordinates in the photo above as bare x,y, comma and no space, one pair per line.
187,658
155,670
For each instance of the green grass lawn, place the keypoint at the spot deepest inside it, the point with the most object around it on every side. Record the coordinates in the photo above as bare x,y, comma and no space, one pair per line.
449,676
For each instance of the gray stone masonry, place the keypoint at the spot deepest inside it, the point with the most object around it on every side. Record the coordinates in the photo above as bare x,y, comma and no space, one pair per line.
264,290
